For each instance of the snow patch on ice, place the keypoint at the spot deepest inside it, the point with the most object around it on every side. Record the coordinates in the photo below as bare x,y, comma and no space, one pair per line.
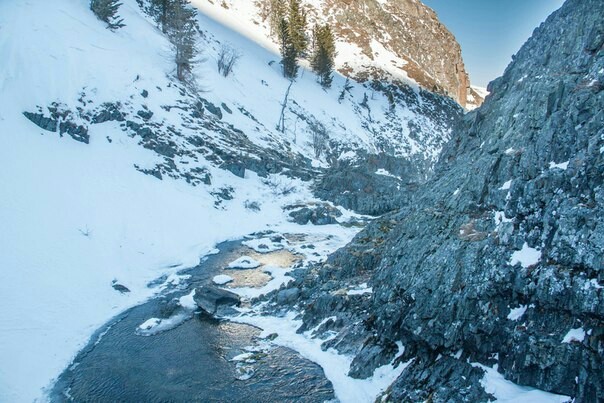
264,245
187,301
244,262
222,279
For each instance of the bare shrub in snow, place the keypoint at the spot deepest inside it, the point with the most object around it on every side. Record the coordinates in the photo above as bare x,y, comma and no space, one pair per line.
319,137
252,205
85,231
227,59
279,185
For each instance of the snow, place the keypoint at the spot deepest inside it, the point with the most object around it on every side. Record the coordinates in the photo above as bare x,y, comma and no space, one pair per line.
187,301
264,245
508,392
244,262
592,283
149,324
516,313
506,186
154,326
500,218
360,290
54,190
335,366
384,172
527,256
574,335
222,279
510,151
563,165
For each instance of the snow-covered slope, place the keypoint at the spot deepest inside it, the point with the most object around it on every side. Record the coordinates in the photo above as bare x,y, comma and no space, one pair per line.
401,41
77,216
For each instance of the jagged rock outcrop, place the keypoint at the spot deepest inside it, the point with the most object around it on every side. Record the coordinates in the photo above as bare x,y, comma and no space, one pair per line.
499,259
424,48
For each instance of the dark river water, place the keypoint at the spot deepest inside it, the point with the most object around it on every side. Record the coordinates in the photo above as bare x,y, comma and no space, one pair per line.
191,362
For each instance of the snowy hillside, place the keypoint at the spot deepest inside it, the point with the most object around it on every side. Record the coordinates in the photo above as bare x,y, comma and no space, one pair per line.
398,41
83,210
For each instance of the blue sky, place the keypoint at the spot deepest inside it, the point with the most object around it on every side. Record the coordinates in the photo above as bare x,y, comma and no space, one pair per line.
491,31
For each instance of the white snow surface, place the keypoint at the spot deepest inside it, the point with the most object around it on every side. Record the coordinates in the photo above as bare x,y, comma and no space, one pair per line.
506,186
508,392
222,279
244,262
527,256
360,290
75,217
574,335
563,165
516,313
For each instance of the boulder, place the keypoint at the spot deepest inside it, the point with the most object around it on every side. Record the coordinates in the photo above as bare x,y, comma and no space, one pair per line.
210,299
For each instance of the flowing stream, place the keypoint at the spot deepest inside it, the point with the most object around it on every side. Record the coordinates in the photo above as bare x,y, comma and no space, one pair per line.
193,360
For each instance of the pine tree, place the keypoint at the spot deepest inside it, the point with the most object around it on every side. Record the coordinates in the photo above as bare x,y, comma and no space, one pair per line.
276,14
160,10
291,33
324,52
288,52
182,30
106,10
297,27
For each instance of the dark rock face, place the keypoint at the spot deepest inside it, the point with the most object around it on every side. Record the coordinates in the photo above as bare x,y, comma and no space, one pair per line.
59,118
360,186
322,214
523,173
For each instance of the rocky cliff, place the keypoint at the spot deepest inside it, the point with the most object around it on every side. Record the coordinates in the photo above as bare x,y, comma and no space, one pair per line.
497,262
405,36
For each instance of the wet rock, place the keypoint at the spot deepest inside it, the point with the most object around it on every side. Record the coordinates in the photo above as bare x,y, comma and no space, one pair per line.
372,356
372,184
525,172
210,299
317,215
438,379
288,296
